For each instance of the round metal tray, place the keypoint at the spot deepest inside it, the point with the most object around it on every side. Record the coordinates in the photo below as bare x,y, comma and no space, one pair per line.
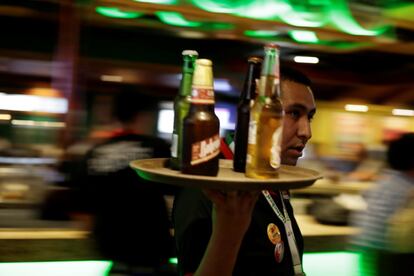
290,177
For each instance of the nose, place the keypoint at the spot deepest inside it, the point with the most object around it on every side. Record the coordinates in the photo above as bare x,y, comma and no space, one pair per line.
304,129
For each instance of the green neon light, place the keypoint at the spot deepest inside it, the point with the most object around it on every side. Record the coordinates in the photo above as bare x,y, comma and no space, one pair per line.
173,261
311,13
342,18
117,13
222,6
262,9
314,264
304,36
84,268
260,33
326,264
165,2
306,14
176,19
217,26
332,263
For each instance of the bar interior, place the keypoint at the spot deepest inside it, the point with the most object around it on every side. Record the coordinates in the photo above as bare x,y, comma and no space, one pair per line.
65,64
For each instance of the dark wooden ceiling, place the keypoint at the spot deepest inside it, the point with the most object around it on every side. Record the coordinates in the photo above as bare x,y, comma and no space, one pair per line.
37,37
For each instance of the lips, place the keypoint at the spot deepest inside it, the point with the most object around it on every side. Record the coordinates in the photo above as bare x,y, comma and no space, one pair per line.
296,151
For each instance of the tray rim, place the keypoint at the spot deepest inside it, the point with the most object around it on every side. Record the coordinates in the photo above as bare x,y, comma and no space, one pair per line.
162,174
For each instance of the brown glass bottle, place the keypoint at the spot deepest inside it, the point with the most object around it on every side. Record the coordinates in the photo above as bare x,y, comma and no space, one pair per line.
247,96
266,121
201,129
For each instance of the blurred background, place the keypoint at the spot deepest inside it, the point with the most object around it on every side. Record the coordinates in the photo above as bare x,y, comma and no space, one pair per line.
62,63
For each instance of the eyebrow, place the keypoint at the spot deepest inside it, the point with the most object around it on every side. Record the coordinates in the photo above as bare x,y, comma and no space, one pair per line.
302,107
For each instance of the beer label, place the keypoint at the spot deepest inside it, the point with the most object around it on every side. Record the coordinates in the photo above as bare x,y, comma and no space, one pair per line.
202,95
205,150
252,132
174,145
275,159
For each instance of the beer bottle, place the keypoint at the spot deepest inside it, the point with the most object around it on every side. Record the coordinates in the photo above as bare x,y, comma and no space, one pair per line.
201,129
243,113
181,107
266,121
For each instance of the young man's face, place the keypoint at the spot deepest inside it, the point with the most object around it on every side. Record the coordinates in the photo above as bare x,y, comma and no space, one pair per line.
299,106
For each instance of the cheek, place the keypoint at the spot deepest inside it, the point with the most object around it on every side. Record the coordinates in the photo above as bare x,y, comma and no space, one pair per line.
288,133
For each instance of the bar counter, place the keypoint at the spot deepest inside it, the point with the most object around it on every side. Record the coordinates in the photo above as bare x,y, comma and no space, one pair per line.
71,243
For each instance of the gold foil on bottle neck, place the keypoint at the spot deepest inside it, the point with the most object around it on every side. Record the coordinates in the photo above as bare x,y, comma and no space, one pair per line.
203,74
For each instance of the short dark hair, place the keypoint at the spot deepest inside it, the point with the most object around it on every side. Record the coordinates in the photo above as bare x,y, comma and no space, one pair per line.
292,74
128,104
400,154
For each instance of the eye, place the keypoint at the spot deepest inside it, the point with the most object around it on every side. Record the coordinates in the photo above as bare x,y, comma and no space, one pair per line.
295,114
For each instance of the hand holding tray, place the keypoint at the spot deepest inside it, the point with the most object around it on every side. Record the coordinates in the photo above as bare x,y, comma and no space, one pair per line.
290,177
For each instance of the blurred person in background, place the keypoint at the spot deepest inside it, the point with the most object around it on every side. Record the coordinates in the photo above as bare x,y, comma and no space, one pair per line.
366,167
239,233
384,201
129,216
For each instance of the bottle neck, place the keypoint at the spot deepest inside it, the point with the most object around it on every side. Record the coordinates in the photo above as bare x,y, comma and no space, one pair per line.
187,76
185,85
269,84
249,87
201,107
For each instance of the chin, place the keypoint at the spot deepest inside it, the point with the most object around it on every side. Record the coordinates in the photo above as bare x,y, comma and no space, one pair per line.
290,161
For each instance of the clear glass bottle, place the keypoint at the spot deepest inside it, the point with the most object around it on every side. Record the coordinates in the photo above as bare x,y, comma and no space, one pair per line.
266,121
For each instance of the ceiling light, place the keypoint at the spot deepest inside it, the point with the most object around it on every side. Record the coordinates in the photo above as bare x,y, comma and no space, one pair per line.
111,78
5,117
402,112
306,59
31,103
356,108
260,33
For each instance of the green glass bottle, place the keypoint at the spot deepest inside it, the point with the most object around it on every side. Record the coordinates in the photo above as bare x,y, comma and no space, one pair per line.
181,107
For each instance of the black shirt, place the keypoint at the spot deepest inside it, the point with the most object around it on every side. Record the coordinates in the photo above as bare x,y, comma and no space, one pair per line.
130,217
192,222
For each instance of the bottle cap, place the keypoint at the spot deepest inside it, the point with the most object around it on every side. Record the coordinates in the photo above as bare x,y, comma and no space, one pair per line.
255,59
189,53
272,45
